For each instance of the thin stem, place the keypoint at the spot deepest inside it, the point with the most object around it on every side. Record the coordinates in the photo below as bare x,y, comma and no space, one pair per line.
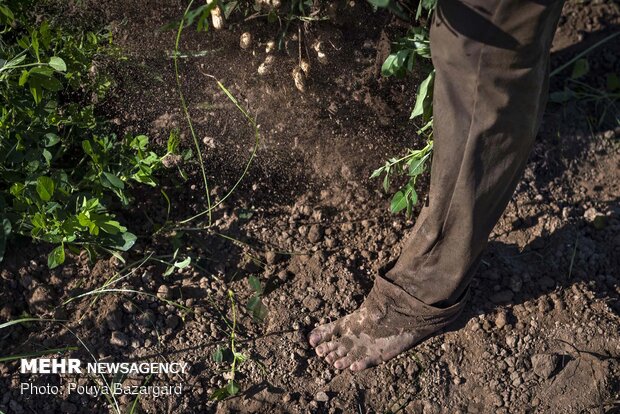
585,52
252,122
186,112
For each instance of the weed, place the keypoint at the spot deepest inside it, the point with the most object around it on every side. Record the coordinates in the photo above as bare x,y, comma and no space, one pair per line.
601,101
256,307
60,165
413,165
111,398
404,57
232,387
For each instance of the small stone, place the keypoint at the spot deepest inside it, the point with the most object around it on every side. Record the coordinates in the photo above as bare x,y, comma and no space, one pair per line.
511,341
474,325
544,305
164,292
321,396
271,257
312,303
500,320
315,234
41,299
283,275
172,321
544,364
119,339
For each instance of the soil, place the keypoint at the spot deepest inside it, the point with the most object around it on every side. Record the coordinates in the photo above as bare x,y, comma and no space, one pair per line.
541,332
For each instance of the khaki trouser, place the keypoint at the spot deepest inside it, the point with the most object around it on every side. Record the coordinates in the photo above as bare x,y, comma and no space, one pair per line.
492,63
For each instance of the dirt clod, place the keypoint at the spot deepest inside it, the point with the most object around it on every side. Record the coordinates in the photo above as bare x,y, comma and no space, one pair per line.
544,364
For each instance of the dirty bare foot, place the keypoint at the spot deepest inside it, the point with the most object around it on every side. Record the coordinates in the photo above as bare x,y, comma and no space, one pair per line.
378,331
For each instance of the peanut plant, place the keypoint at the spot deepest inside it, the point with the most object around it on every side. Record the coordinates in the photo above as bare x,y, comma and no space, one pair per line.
61,166
408,53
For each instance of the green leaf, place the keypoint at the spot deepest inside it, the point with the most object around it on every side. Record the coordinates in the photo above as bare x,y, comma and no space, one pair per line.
87,146
6,15
51,139
379,3
241,358
376,173
56,257
114,180
34,43
386,180
417,165
44,77
229,7
580,68
169,271
220,394
255,284
5,231
232,388
173,141
388,64
257,308
183,264
45,188
16,60
23,77
37,93
424,98
253,301
111,226
58,64
47,155
399,202
218,355
128,240
613,82
413,197
140,142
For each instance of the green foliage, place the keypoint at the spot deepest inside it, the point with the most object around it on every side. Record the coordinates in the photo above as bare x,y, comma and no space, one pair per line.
406,51
275,11
413,165
403,59
229,354
60,166
177,264
256,307
198,16
401,10
600,103
424,99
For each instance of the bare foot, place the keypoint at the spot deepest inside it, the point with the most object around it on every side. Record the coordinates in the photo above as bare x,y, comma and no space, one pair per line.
378,331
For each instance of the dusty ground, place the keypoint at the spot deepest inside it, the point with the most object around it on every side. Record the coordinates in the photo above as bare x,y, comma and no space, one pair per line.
541,333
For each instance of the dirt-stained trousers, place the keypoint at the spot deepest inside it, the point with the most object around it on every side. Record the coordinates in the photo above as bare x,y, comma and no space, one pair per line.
491,59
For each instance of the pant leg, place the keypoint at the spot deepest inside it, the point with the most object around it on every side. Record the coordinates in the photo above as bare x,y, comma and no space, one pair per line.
492,60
